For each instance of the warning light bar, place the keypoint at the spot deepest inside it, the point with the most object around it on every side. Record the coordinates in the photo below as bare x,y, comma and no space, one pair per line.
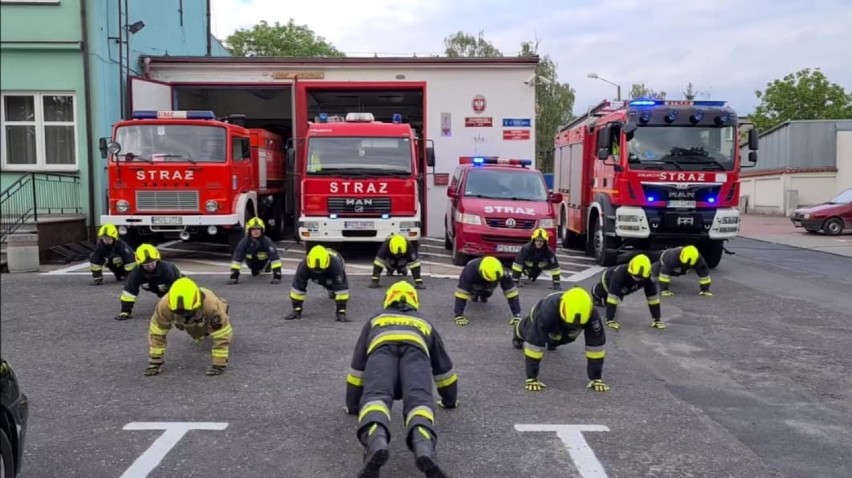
640,102
190,114
494,160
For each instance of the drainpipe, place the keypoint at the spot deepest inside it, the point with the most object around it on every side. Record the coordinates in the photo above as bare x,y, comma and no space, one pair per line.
209,33
90,158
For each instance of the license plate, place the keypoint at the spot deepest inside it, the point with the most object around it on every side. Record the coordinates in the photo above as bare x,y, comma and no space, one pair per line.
681,203
167,220
359,225
797,223
508,248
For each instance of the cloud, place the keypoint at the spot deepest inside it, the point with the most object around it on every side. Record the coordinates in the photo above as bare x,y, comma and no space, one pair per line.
727,48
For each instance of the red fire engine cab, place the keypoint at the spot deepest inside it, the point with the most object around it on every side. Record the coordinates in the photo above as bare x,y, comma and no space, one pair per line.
182,173
648,174
361,180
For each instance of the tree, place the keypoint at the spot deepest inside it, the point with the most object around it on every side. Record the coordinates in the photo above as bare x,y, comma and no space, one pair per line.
803,95
689,93
639,90
460,44
280,40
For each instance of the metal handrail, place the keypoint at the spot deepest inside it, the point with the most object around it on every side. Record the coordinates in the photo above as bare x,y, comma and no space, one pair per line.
37,193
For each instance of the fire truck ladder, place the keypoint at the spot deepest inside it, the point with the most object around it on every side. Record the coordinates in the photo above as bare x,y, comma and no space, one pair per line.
600,109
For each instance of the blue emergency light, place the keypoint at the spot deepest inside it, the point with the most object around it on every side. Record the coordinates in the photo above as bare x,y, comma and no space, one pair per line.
651,198
189,114
645,116
711,199
396,118
697,116
479,161
710,103
671,116
645,102
323,117
722,118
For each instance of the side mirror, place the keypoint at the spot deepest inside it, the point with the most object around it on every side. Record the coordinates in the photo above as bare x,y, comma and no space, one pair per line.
603,154
628,127
752,140
555,198
452,193
430,156
113,148
102,145
752,157
291,159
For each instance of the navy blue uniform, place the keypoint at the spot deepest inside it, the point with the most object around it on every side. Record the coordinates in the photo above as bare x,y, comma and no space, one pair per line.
670,266
118,257
472,286
616,283
158,281
332,279
396,263
532,261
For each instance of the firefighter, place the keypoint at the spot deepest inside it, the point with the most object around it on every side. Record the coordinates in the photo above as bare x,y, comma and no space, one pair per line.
325,267
534,258
478,280
258,251
556,320
198,312
677,262
151,274
618,281
111,251
397,357
396,254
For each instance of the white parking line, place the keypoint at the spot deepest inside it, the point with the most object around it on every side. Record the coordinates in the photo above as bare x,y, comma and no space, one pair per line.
580,276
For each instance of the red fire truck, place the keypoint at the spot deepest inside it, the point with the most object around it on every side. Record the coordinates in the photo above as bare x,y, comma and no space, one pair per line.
361,180
648,174
176,174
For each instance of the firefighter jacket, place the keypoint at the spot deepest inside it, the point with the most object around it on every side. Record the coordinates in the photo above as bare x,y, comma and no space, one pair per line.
159,281
617,283
670,266
212,319
401,326
385,259
544,326
333,279
118,257
471,283
256,252
531,259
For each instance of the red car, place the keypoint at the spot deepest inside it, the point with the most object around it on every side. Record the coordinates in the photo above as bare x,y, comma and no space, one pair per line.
831,217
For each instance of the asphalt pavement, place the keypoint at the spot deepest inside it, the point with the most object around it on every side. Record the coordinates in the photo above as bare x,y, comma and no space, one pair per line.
753,382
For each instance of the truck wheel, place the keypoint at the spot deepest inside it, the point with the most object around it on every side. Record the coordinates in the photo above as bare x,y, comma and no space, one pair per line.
459,259
833,226
448,244
605,254
235,235
7,456
712,251
276,232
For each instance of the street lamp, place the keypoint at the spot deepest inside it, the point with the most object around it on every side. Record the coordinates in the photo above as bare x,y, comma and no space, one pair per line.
596,76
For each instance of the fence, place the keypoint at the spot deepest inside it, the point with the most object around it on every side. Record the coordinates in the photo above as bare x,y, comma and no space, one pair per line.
35,194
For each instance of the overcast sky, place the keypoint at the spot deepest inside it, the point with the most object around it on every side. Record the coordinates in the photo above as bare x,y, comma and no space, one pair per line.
727,48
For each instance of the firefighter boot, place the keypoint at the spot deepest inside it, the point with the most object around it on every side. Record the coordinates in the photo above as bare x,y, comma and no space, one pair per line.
375,441
423,447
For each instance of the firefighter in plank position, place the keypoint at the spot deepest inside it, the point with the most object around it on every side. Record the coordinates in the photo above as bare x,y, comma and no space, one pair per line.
397,357
556,320
619,281
325,267
113,253
534,258
198,312
477,282
152,274
397,255
677,262
258,251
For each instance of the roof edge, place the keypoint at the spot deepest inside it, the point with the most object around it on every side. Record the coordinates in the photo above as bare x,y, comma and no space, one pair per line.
508,60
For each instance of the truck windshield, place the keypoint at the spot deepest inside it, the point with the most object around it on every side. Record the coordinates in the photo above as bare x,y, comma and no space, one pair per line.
328,155
505,184
172,143
687,148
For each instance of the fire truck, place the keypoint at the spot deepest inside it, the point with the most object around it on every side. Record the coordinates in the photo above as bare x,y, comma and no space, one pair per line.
360,180
179,174
647,174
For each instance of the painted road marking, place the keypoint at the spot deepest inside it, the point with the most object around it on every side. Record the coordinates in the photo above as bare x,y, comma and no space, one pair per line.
572,437
580,276
158,450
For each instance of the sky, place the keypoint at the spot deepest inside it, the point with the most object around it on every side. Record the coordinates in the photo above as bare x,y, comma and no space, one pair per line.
726,48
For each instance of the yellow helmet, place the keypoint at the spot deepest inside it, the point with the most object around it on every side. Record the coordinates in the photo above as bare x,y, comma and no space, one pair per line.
689,255
108,230
575,306
398,244
184,296
401,292
255,223
540,234
319,258
490,269
147,253
639,266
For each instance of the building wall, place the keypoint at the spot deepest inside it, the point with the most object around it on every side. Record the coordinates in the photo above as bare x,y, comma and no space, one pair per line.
800,144
844,161
781,194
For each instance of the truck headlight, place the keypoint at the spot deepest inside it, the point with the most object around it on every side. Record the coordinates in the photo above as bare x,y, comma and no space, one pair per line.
122,206
730,220
472,219
309,224
409,224
806,216
211,205
547,223
629,218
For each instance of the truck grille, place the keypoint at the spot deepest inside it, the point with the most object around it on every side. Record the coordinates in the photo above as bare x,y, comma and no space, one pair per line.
512,240
362,207
166,201
501,223
692,193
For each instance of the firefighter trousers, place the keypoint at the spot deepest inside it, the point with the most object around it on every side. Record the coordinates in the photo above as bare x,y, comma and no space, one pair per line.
117,270
257,266
397,371
598,294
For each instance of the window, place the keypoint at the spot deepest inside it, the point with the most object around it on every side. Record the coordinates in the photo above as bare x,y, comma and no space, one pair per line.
39,131
359,155
242,149
172,143
485,183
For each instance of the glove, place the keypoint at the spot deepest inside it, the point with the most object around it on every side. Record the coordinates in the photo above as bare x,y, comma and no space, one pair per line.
556,287
461,320
514,320
215,370
534,385
296,314
613,324
97,281
658,324
705,293
598,385
332,294
123,316
153,369
341,317
443,405
666,293
374,284
276,278
418,284
235,277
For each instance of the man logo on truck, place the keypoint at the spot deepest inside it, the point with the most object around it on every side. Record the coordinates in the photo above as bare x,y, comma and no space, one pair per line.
358,187
684,221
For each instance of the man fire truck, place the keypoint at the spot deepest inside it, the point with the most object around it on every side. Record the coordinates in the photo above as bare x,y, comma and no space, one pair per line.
181,173
361,180
648,174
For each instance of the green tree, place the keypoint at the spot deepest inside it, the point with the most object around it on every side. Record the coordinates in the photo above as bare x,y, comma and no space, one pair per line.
803,95
639,90
460,44
689,93
289,39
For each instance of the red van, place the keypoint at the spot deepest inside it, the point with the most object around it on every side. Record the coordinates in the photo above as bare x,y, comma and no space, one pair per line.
494,206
